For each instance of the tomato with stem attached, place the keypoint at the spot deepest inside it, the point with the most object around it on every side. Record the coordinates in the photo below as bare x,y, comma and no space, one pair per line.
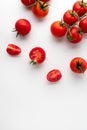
58,29
37,55
70,17
22,27
74,35
80,7
13,49
54,75
40,9
78,65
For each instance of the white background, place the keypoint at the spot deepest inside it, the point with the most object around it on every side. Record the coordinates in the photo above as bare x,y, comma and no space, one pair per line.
27,100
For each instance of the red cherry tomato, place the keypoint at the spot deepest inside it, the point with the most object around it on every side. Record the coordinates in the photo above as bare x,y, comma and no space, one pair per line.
70,17
83,24
23,27
37,55
13,49
28,2
74,35
40,9
58,29
78,65
80,7
54,75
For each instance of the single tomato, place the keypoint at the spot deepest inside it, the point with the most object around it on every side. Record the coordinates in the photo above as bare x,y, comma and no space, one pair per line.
23,27
70,17
40,9
83,24
58,29
54,75
74,35
13,49
80,7
78,65
37,55
28,2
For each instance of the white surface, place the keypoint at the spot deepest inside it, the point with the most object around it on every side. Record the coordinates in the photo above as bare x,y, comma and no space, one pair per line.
27,100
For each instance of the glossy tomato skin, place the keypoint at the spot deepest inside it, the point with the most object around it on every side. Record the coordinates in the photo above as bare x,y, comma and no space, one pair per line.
40,9
37,55
70,17
78,65
80,7
54,75
23,27
83,24
13,49
58,29
28,2
74,35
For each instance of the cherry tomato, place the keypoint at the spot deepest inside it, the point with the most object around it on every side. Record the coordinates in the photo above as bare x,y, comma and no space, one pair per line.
78,65
58,28
74,35
37,55
83,24
40,9
70,17
80,7
13,49
54,75
28,2
23,27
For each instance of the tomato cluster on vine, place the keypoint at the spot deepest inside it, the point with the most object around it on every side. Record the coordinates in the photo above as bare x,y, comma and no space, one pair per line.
73,23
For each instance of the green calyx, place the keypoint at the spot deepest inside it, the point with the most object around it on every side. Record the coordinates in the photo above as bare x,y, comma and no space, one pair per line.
69,37
83,4
43,5
79,32
62,23
79,66
33,62
14,30
73,13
